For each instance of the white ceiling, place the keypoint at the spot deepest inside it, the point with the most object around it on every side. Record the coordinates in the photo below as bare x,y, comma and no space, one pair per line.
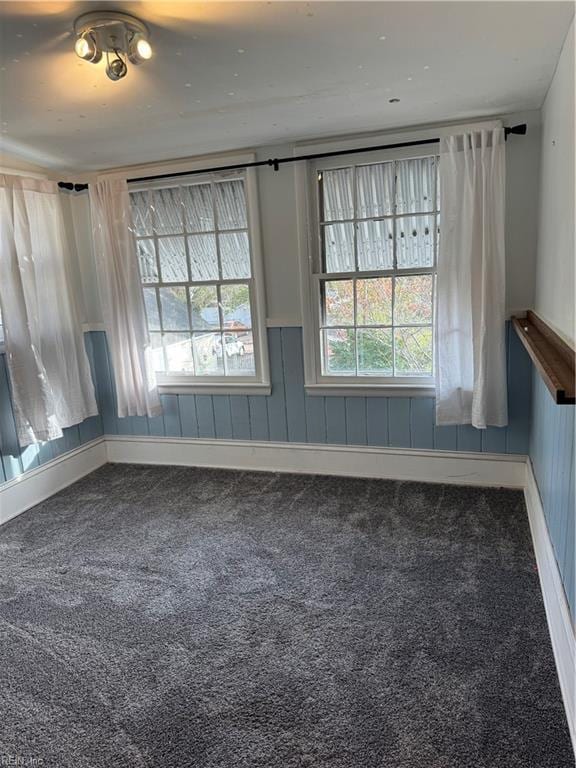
306,70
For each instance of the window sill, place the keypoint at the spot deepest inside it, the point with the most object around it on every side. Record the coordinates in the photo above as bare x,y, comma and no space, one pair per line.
213,388
367,390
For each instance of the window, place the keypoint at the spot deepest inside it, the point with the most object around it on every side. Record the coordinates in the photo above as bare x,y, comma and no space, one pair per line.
373,271
199,278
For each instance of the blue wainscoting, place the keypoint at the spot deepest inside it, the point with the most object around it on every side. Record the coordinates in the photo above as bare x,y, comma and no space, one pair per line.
552,455
287,414
14,461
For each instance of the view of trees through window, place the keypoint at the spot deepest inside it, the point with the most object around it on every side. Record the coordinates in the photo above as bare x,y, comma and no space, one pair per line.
378,231
195,265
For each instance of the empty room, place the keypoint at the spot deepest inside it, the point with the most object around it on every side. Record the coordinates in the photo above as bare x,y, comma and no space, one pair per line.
287,384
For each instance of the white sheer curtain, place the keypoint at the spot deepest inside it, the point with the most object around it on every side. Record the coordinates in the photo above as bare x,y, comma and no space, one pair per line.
471,353
49,370
122,299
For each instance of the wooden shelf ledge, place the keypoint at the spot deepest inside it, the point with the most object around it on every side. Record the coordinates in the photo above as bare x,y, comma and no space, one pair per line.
553,358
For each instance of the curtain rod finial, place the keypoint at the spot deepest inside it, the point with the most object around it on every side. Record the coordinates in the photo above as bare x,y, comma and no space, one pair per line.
518,130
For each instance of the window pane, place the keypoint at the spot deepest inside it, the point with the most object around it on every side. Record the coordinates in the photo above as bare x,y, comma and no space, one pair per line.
339,248
415,241
338,302
141,213
375,245
157,352
337,197
147,261
234,255
151,305
174,309
172,255
198,209
167,208
339,351
374,301
203,257
178,350
374,190
236,306
204,307
413,351
415,180
208,354
413,300
230,204
239,353
375,352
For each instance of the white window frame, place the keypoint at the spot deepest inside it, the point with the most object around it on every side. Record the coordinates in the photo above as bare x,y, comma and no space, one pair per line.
310,277
183,383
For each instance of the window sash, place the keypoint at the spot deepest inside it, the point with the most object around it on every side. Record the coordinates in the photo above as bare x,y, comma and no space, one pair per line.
318,274
171,378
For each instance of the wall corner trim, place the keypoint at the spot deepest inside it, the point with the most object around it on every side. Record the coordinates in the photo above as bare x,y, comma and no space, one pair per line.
35,485
560,624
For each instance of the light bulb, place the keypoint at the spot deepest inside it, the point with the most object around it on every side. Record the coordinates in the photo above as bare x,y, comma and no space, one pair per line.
116,69
86,49
144,49
82,48
139,49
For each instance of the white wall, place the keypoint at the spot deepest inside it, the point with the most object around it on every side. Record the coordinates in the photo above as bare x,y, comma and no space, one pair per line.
555,263
278,221
277,198
277,191
76,210
522,182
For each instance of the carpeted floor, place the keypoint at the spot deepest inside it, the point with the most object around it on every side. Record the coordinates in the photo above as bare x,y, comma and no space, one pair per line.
164,616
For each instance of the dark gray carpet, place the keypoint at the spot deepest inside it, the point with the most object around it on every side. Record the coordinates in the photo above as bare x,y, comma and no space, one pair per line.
162,616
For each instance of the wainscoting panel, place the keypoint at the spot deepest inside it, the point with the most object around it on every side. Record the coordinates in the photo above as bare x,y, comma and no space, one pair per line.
288,414
552,455
560,622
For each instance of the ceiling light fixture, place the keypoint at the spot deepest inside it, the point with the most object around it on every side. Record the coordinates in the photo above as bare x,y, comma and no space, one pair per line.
85,47
121,37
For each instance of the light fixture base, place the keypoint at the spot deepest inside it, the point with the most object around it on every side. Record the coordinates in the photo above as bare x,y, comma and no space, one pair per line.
97,21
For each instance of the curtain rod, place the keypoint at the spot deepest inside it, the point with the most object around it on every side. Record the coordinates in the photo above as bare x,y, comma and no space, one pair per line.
519,130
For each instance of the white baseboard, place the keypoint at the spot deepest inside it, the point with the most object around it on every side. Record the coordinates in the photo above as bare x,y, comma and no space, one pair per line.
356,461
555,603
29,489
